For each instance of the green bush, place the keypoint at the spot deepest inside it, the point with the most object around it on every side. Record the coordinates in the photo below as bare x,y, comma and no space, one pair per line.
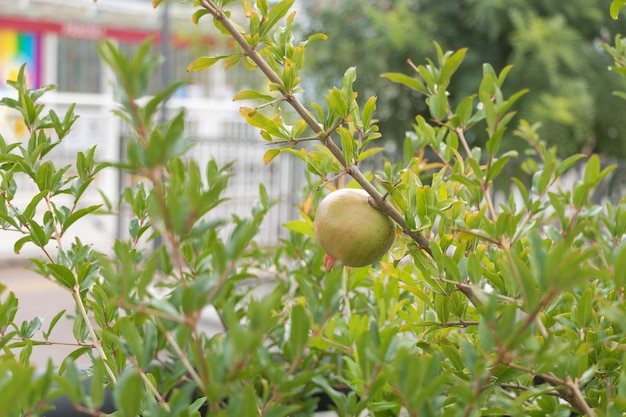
482,307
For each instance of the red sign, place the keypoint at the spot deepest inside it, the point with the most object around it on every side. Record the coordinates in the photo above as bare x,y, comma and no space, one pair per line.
82,30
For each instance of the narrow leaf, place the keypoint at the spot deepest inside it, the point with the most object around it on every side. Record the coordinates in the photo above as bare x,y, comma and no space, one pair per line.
195,18
204,62
404,79
269,155
252,95
62,275
78,214
616,7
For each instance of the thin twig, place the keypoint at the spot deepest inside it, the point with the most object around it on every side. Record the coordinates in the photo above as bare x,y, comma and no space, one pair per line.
92,333
184,361
153,390
329,180
293,141
525,388
476,234
47,342
142,309
57,230
484,184
574,388
568,390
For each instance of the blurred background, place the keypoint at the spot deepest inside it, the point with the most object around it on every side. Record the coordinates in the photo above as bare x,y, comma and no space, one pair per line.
57,40
553,45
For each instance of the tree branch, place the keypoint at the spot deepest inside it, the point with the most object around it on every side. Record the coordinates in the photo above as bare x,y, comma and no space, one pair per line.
566,388
379,201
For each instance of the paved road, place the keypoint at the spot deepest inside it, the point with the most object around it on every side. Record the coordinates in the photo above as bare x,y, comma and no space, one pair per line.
40,297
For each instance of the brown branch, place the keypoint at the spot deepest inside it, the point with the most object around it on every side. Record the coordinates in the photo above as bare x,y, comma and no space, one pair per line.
484,184
566,388
477,234
293,141
574,388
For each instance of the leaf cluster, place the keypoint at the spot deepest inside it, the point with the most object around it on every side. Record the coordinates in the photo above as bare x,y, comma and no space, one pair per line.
487,304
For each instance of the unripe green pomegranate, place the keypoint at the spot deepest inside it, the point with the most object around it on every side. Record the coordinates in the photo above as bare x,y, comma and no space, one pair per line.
351,230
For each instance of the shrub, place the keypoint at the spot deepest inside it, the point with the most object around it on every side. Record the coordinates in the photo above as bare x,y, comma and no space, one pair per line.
483,307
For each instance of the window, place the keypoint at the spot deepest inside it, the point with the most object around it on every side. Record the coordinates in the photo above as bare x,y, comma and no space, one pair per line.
78,66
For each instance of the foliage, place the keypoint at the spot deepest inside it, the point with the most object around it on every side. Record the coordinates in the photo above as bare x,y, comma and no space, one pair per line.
483,307
552,44
616,6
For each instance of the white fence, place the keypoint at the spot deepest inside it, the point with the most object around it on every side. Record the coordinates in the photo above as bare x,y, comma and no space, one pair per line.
220,133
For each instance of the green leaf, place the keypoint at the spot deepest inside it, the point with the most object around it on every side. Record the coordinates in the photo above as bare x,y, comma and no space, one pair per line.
404,79
567,164
452,63
71,381
243,403
368,109
240,238
275,14
263,6
580,197
97,382
62,275
592,169
128,393
53,323
620,267
161,97
252,95
72,218
338,101
195,18
299,332
17,247
496,168
29,211
30,328
258,119
269,155
616,7
369,152
474,269
438,104
300,226
38,236
204,62
464,110
347,145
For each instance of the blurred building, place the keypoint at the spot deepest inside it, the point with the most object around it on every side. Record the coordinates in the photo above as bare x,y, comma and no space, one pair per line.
57,40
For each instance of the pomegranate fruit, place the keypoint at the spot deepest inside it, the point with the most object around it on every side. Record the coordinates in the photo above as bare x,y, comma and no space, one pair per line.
350,230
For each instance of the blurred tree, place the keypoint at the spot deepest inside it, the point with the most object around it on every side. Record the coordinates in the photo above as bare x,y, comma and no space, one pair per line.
554,46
